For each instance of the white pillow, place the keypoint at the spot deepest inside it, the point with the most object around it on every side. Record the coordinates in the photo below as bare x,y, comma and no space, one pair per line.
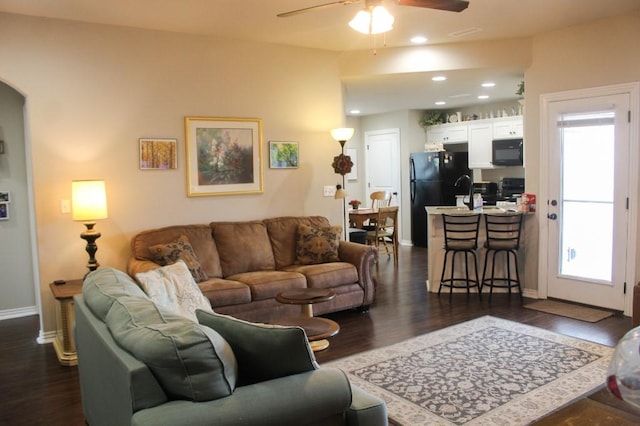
173,288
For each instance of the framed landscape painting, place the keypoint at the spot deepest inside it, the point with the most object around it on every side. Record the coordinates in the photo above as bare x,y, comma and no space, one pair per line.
283,155
158,154
223,156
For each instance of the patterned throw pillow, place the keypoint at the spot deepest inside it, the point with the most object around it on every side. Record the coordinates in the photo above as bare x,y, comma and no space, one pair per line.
174,288
317,244
168,254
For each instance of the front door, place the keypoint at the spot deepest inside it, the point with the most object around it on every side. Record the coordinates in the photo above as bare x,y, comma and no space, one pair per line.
588,193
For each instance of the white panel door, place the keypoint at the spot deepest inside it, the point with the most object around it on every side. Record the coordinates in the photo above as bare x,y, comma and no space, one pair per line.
383,163
588,189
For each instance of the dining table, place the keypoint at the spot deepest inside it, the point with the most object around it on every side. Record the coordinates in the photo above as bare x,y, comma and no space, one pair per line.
358,217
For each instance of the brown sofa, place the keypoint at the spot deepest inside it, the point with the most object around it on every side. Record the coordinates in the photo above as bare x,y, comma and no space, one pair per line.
245,265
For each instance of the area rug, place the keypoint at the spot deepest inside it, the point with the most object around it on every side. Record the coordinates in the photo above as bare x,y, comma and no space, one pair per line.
569,310
487,371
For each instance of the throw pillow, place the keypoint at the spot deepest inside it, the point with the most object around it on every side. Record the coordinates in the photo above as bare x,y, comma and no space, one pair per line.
261,349
317,244
190,361
174,288
167,254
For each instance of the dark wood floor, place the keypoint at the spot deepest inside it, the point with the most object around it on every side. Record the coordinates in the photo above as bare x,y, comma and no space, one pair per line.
36,390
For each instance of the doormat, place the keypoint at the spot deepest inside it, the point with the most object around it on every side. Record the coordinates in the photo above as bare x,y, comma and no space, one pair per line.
569,310
487,371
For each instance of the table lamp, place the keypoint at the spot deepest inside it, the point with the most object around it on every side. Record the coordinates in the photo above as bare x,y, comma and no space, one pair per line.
89,203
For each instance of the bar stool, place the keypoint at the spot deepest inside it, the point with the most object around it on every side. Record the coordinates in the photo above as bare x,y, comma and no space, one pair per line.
460,237
503,236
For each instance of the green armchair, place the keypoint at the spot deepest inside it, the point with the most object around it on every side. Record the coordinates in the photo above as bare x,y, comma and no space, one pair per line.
232,373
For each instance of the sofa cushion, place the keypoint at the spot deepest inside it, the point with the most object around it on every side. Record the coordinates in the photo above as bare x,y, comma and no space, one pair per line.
179,249
199,236
174,288
283,233
267,284
317,244
327,275
102,286
243,247
263,351
224,292
189,361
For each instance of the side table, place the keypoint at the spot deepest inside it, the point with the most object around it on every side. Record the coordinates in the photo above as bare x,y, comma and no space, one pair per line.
316,329
305,297
64,343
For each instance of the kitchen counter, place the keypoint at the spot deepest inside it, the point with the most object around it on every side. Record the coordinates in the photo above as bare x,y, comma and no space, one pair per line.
439,210
435,232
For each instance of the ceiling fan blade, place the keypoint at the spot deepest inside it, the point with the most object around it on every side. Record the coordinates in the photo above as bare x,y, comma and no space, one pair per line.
318,6
449,5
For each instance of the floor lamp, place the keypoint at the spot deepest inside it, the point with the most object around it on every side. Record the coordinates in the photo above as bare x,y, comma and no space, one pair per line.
342,165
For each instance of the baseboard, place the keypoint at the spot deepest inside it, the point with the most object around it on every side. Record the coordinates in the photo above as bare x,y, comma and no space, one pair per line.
45,337
18,312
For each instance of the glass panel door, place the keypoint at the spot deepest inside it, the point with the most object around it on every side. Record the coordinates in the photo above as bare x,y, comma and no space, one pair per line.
587,196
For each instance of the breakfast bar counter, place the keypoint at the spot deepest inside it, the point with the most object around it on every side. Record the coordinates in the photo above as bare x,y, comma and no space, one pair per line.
435,233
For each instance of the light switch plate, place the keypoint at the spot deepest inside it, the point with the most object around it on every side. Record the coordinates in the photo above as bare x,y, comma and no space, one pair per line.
65,206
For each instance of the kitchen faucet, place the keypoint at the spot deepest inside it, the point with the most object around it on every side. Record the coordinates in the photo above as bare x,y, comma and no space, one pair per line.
459,182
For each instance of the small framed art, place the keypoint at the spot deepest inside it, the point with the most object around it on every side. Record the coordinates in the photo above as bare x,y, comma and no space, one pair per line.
5,197
158,154
4,211
283,155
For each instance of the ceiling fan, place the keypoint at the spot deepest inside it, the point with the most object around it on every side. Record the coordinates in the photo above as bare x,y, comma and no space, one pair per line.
448,5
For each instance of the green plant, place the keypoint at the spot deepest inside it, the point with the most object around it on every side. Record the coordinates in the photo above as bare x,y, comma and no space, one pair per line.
432,117
520,91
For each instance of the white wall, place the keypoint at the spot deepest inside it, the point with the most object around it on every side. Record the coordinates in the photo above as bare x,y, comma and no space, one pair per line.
16,278
93,90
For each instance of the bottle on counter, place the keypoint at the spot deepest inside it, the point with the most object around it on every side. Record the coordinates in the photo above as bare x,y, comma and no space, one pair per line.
477,202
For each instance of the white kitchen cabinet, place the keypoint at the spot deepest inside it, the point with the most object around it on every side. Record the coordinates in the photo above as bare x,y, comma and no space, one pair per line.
447,133
507,128
480,137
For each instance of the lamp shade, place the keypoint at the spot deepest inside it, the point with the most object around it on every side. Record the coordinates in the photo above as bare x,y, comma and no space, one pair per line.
342,134
89,200
340,193
377,20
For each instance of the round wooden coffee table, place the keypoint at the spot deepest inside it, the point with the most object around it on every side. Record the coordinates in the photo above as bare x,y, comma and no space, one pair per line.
316,329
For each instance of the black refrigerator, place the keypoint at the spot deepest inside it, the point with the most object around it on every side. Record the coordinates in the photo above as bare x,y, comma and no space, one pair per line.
431,183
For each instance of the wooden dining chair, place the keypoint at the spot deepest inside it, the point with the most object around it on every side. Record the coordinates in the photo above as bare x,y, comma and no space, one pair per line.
385,232
380,199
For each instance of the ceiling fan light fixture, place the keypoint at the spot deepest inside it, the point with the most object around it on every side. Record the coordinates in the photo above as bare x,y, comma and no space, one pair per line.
375,21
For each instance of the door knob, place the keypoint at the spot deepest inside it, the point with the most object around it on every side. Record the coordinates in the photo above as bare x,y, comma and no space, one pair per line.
552,216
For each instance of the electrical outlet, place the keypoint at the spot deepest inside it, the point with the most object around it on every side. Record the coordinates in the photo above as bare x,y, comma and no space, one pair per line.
329,190
65,206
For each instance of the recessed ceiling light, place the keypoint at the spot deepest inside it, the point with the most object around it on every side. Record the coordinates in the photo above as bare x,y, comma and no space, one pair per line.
483,97
355,111
418,39
439,78
489,84
441,103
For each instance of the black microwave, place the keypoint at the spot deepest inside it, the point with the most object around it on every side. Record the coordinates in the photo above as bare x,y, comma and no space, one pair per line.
507,152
